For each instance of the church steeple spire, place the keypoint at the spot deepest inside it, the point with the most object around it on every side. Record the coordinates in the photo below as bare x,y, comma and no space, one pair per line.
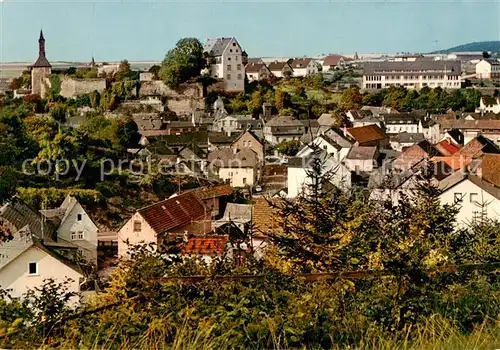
42,59
41,45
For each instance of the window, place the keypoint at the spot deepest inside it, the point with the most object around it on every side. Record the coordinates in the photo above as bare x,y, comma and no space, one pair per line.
239,77
244,181
77,236
229,67
137,226
228,76
79,217
238,66
473,197
229,58
33,268
458,197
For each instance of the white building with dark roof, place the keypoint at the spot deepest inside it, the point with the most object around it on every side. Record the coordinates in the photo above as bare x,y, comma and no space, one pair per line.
412,74
226,60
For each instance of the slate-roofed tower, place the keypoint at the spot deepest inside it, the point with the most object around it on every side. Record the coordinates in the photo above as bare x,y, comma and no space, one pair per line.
41,68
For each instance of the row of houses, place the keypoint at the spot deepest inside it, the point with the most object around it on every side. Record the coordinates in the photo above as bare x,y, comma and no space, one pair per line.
296,67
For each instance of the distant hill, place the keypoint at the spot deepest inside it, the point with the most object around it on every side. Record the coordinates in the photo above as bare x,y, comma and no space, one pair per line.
493,46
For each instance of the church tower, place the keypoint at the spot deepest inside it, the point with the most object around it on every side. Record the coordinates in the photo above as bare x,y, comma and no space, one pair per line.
41,68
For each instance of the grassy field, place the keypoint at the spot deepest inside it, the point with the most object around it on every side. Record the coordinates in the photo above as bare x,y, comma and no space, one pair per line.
320,95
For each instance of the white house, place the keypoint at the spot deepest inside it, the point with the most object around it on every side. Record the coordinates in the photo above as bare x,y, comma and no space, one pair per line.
34,253
226,62
257,71
361,159
303,67
180,215
283,128
76,227
333,62
488,69
299,169
237,167
488,104
403,140
325,143
33,264
477,198
280,69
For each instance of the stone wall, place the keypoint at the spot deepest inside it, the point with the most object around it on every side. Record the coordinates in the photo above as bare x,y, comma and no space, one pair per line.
71,87
182,101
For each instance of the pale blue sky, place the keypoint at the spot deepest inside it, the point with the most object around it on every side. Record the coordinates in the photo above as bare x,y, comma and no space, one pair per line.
145,30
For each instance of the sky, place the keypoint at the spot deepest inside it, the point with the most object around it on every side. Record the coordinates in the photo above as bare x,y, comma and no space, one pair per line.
145,30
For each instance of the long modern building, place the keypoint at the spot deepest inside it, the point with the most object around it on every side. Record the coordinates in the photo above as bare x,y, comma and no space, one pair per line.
412,74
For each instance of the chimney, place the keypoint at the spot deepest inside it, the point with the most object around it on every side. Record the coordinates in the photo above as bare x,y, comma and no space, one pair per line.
344,130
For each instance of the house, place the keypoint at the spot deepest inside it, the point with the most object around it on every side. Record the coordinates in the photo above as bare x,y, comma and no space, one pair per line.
273,178
35,253
369,135
340,137
283,128
469,155
238,214
333,62
488,104
177,127
477,198
454,136
256,71
412,74
230,124
182,215
238,168
214,198
412,123
405,139
75,226
379,111
226,62
488,69
33,264
327,119
248,140
447,147
218,140
280,69
303,67
368,120
299,170
386,184
324,142
413,155
489,128
361,159
478,147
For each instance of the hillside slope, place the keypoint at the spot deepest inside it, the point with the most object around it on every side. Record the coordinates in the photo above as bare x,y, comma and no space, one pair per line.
476,46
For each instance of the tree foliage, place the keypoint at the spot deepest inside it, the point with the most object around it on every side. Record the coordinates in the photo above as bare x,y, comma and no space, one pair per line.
183,62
